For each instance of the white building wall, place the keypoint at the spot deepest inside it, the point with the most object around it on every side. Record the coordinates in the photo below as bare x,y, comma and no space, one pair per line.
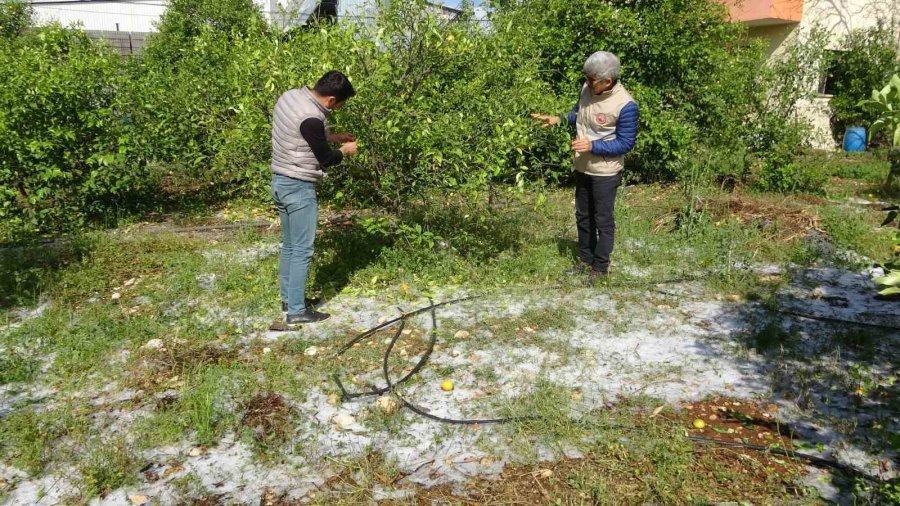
357,10
838,17
142,16
109,16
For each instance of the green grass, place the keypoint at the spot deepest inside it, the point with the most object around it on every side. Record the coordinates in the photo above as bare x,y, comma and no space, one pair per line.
355,479
88,338
16,367
106,466
554,425
867,166
857,230
30,439
25,441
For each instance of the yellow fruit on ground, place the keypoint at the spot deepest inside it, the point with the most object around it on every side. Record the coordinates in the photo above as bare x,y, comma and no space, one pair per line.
699,424
447,385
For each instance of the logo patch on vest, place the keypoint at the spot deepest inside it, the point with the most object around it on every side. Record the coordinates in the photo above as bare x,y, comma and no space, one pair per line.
601,119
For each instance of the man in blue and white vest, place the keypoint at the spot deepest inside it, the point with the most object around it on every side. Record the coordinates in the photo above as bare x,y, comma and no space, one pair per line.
300,153
606,120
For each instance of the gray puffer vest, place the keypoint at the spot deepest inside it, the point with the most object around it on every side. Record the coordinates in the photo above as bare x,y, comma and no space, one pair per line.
291,155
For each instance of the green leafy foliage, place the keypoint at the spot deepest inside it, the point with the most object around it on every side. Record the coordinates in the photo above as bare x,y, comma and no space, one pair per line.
201,126
793,178
184,21
776,133
889,284
866,61
885,103
61,161
694,74
15,17
441,105
435,107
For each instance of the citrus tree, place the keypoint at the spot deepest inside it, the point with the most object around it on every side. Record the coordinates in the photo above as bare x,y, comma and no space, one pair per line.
60,159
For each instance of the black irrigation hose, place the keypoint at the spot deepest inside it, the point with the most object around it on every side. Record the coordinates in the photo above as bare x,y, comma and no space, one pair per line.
403,316
833,464
346,395
421,411
835,320
391,388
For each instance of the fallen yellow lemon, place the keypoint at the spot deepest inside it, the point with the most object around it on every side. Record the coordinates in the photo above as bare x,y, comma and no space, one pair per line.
699,424
447,385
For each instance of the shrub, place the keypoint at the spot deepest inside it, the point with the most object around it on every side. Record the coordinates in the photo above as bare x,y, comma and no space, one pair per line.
60,159
198,101
868,59
690,69
775,133
793,178
434,108
15,18
442,105
184,21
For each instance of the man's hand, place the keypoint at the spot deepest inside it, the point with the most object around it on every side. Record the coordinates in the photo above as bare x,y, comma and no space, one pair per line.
340,138
548,120
348,149
581,145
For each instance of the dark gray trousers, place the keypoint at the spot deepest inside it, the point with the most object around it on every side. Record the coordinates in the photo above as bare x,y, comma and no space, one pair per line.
595,198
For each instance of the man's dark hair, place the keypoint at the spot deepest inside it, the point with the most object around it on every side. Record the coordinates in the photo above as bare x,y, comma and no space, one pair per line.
335,84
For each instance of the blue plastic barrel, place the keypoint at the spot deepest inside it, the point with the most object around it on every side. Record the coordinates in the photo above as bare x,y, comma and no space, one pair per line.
855,139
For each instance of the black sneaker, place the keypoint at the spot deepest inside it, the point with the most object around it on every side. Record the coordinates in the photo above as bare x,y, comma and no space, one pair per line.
308,316
309,302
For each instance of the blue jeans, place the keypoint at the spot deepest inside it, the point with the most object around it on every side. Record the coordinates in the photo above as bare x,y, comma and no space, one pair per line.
299,213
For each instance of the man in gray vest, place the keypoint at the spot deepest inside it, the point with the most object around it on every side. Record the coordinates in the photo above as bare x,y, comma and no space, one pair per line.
300,153
606,122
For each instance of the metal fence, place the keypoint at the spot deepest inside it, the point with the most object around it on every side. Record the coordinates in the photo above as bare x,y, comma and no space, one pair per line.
126,43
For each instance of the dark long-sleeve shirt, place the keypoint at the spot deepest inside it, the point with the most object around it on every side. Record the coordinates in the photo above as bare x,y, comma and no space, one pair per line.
313,132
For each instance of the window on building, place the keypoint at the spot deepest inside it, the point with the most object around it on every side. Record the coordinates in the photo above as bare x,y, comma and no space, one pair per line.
833,74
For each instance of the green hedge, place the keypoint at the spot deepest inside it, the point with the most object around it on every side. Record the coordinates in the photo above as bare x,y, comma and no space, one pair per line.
61,162
442,105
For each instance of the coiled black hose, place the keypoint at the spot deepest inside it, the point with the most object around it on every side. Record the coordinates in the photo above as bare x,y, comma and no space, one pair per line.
390,387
